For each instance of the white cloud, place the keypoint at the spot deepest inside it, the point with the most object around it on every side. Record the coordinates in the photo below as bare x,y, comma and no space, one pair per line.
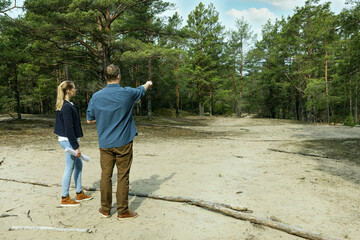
253,15
338,5
283,4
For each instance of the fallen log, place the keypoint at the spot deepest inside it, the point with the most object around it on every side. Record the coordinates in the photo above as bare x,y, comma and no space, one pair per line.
300,153
7,215
224,209
32,183
293,230
188,200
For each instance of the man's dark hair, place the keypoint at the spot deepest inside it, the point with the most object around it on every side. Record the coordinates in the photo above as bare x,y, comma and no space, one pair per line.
111,72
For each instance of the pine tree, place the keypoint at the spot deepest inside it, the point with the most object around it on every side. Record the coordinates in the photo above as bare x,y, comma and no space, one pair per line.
238,44
85,28
205,48
13,52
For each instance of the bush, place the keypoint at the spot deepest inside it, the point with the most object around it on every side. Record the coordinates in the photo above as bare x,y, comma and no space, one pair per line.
6,102
349,121
222,108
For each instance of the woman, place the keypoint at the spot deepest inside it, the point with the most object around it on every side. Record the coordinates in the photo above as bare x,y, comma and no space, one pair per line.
68,128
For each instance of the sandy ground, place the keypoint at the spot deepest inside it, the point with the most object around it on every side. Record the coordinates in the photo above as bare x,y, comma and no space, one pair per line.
224,160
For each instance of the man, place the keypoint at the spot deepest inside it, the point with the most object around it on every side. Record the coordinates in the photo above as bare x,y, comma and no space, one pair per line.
111,110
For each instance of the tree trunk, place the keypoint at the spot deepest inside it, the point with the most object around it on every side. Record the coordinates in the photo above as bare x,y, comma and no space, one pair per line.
101,69
101,54
294,103
41,105
308,113
201,109
327,112
236,94
66,72
176,68
107,50
148,93
137,82
211,100
241,83
350,97
356,103
17,94
201,104
301,107
58,76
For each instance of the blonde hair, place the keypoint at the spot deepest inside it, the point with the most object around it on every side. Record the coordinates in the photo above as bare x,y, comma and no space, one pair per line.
61,92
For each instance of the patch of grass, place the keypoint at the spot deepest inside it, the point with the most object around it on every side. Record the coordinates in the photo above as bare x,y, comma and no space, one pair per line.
335,148
23,132
171,132
23,126
170,113
169,127
172,122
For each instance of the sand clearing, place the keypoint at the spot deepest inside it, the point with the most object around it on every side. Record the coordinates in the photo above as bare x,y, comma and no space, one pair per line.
259,163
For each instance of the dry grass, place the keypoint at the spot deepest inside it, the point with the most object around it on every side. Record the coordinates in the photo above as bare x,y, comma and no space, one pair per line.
20,132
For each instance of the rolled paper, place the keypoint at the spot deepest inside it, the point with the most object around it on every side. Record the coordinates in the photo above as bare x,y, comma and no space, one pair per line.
73,152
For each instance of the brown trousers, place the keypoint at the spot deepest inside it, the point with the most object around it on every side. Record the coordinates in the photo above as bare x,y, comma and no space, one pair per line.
122,157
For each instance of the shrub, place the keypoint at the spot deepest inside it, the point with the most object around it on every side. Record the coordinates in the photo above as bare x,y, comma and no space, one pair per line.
349,121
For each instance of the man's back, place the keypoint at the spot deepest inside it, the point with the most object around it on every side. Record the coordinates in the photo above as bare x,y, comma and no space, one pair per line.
112,107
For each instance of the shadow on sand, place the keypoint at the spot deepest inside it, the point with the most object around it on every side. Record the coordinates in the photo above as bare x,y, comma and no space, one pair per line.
146,186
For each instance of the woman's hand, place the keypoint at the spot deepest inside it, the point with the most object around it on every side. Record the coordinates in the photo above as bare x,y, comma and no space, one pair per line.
78,153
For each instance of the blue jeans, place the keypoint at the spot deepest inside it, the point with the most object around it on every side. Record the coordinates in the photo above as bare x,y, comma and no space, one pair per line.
72,163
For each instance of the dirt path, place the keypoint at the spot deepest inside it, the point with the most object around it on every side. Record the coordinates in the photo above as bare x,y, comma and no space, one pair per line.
226,160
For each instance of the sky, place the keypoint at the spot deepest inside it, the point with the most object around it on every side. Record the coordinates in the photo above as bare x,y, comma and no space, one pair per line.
255,12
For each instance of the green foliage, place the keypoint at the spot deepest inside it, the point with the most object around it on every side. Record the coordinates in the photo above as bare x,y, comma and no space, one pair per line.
349,121
222,105
305,67
205,47
315,94
301,68
7,103
236,49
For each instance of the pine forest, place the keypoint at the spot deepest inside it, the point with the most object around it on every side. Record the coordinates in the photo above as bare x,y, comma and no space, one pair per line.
303,67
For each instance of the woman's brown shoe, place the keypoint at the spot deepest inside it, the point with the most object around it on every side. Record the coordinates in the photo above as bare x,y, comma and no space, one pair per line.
68,202
82,197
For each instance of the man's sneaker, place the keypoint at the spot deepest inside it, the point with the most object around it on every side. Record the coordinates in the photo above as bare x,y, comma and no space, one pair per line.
104,214
82,197
68,202
127,215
